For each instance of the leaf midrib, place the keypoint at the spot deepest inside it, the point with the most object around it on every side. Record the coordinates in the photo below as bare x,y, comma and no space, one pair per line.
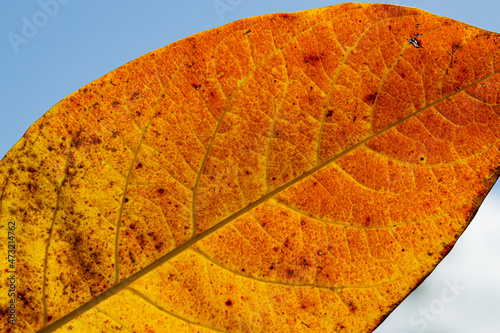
120,286
123,284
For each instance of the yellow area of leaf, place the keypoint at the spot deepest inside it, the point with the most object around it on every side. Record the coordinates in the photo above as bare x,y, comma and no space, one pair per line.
295,172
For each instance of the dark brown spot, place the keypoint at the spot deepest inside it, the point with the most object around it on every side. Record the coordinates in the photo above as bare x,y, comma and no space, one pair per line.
287,16
32,187
229,302
126,199
311,59
329,113
352,307
370,98
287,242
96,141
446,250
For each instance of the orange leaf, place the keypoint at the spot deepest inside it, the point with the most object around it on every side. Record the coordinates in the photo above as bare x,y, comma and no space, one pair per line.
287,172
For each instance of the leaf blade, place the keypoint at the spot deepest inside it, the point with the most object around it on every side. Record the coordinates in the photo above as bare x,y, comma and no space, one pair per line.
191,87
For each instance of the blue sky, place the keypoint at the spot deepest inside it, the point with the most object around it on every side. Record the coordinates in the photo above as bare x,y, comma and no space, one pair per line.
82,40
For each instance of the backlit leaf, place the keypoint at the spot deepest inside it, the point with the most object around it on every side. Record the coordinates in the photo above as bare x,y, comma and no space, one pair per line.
297,172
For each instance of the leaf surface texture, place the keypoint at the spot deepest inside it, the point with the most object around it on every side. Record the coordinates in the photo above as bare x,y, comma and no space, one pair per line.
297,172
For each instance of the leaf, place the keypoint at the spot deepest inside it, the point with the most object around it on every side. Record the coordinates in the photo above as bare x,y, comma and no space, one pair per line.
288,172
